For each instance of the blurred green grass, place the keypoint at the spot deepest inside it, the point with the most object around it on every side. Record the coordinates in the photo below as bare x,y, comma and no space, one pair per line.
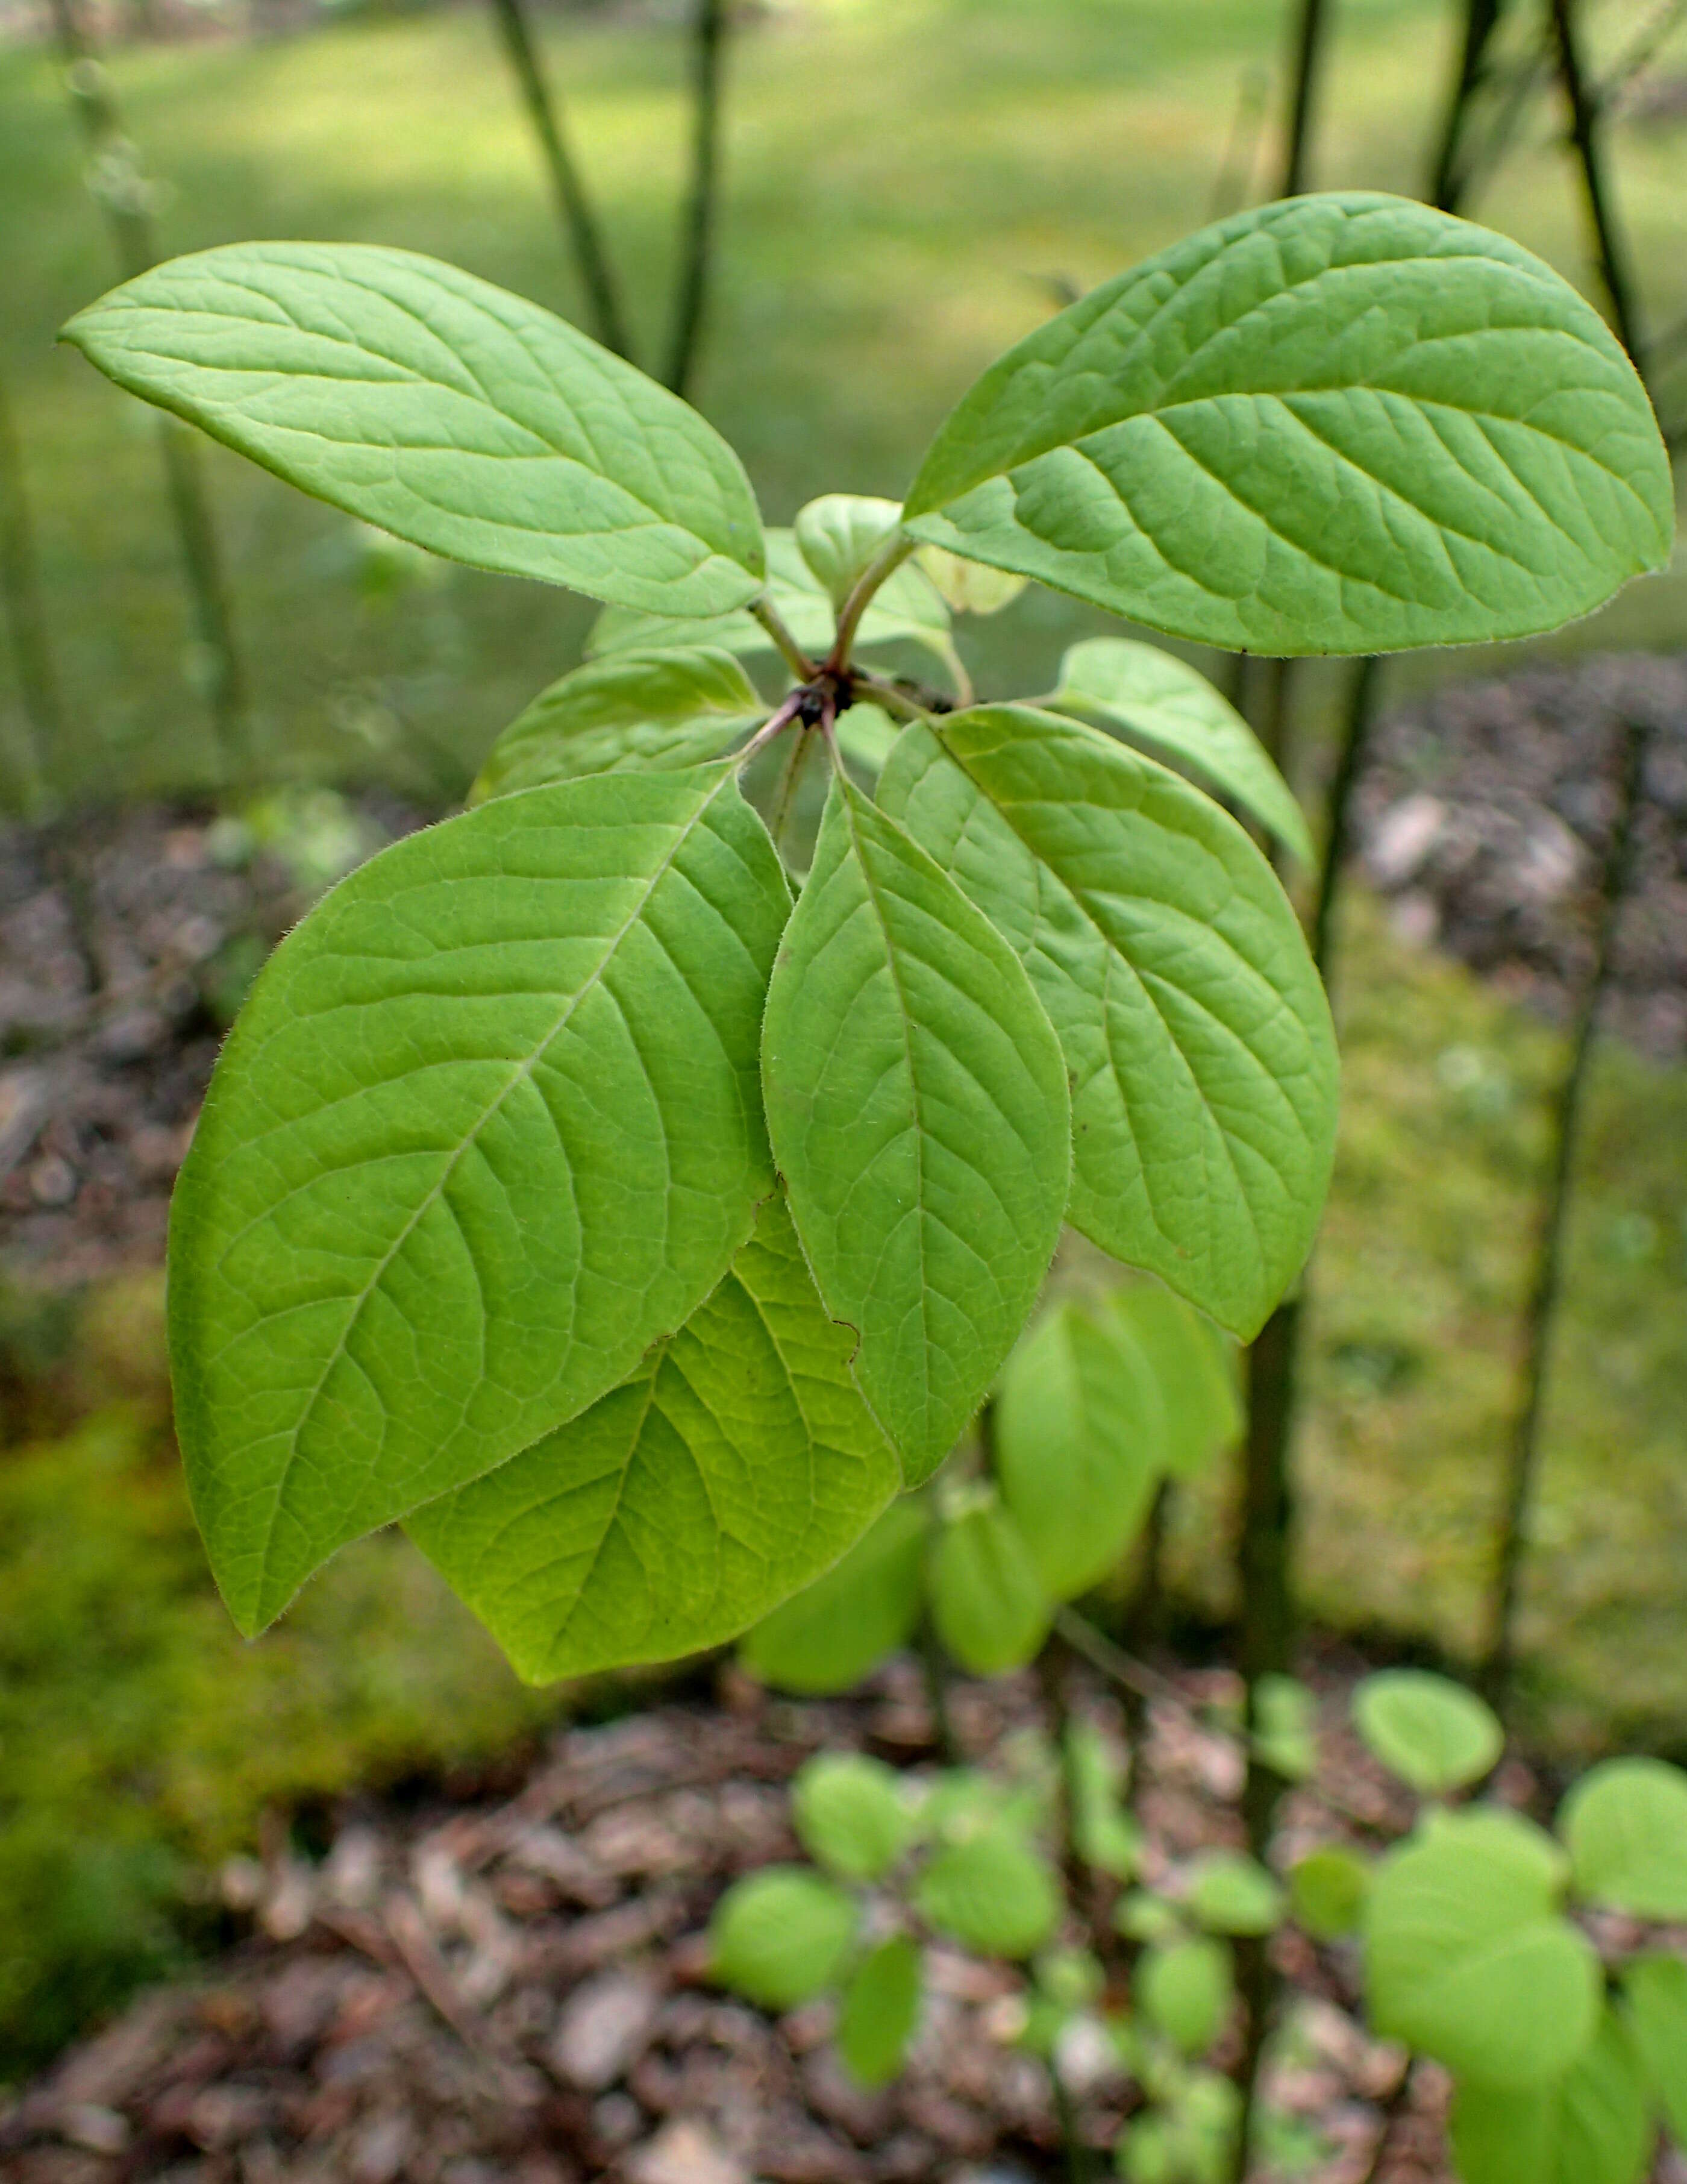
904,181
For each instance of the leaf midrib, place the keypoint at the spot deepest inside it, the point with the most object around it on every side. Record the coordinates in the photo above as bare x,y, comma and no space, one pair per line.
520,1075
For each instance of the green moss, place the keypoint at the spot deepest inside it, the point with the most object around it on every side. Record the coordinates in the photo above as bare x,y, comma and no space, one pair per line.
141,1737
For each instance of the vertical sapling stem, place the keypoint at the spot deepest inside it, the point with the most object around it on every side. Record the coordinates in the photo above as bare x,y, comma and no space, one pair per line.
575,211
26,626
1499,1659
1587,140
709,41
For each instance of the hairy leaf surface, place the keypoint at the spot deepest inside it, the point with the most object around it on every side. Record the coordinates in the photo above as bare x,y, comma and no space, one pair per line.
1333,424
450,412
1159,703
489,1126
1079,1431
905,611
917,1105
738,1463
1202,1057
635,709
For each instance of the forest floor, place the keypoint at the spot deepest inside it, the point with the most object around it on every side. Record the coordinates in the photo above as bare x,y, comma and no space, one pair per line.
516,1987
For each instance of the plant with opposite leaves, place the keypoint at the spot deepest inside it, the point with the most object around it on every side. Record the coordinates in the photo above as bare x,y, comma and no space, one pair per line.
1457,1938
634,1234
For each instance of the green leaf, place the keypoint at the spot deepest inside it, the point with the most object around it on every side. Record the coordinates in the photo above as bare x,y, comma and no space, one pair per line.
1654,1990
880,2011
1589,2126
850,1814
1230,1894
1143,1916
866,736
1185,1990
1159,703
838,535
447,411
989,1606
488,1127
905,611
737,1463
637,708
993,1893
1286,1727
1194,1366
1078,1440
1625,1823
1104,1833
1160,941
842,1627
1326,1892
968,586
782,1936
1435,1735
1467,1957
917,1105
1333,424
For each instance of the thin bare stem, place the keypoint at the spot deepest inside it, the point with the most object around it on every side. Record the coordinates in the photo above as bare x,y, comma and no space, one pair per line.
770,728
1309,51
117,182
1587,137
26,623
889,558
790,651
1481,20
1362,708
575,211
708,55
1499,1659
887,695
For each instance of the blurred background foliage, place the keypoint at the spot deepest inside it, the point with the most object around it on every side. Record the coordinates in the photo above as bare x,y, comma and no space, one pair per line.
911,184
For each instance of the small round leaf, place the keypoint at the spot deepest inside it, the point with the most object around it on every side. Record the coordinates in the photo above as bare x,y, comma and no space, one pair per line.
1435,1735
1229,1894
1326,1892
880,2010
1185,1990
850,1814
992,1894
780,1936
988,1602
1625,1823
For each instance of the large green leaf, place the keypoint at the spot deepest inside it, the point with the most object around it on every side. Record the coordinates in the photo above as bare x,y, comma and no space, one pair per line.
1467,1958
1152,698
1433,1733
1626,1825
783,1936
839,1629
917,1104
1333,424
1157,937
1079,1435
738,1463
635,709
444,410
1194,1366
1654,1993
1588,2127
905,611
989,1606
488,1127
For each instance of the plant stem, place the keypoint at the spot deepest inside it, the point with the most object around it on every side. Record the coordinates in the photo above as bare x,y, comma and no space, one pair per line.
790,651
889,558
935,1664
1498,1658
575,213
785,796
707,54
1309,45
1447,177
1587,138
1362,708
26,623
116,181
